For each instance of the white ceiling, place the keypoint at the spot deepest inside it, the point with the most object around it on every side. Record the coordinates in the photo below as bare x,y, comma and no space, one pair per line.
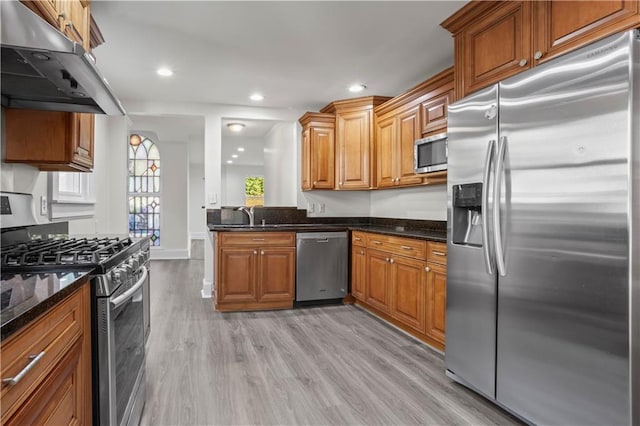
300,55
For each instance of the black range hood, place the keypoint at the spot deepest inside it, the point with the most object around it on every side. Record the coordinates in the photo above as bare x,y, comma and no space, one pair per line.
43,69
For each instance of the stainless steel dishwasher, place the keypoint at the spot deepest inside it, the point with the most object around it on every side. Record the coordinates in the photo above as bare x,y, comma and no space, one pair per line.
321,266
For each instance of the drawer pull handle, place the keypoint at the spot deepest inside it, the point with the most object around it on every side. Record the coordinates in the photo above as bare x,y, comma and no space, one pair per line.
438,253
357,239
406,248
377,242
326,240
11,381
258,239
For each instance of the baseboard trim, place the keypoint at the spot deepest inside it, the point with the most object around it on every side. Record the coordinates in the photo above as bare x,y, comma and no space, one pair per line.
169,254
207,287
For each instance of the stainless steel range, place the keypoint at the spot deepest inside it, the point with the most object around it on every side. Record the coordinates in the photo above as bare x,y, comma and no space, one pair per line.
119,284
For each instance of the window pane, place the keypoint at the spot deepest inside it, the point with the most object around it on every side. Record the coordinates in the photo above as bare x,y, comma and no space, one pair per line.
144,180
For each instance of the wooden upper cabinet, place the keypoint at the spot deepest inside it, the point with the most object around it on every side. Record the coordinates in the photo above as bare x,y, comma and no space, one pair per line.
497,39
386,130
76,21
52,141
318,150
408,132
354,141
564,25
433,113
71,17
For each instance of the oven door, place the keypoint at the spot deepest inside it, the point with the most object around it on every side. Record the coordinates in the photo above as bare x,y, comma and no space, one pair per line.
121,355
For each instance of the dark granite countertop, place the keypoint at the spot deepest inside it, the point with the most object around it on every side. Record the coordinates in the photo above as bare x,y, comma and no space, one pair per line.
431,235
26,296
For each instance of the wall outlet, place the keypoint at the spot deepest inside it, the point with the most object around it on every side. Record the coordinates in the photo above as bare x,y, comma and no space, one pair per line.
213,198
322,208
43,205
311,207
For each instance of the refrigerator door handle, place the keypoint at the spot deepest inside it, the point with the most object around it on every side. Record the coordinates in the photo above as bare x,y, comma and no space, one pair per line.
497,184
485,206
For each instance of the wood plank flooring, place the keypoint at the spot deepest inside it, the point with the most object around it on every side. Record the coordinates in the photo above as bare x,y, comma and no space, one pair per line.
332,365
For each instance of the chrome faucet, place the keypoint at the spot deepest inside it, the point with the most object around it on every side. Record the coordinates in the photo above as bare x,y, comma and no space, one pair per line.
249,212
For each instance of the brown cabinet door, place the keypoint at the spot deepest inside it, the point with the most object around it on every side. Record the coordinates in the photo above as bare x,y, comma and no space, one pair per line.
46,9
494,47
276,274
82,126
433,114
322,158
409,131
358,272
386,152
565,25
237,275
378,291
306,160
76,20
408,291
436,301
353,140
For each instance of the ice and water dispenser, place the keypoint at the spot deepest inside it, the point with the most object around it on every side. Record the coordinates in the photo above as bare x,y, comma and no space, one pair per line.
467,214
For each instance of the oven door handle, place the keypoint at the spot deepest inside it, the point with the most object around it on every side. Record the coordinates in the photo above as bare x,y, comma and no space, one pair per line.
118,301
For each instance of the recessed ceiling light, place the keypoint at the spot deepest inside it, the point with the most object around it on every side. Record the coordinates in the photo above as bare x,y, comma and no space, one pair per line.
236,127
234,156
359,87
241,149
229,162
256,97
164,72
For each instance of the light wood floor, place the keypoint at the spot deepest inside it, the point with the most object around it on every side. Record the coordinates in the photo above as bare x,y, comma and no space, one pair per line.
321,366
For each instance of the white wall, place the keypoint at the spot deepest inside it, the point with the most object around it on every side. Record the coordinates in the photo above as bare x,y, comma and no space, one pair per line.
197,215
110,178
337,203
174,201
280,159
233,182
424,202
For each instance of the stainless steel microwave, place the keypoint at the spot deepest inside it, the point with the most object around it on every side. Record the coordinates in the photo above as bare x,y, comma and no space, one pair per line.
430,154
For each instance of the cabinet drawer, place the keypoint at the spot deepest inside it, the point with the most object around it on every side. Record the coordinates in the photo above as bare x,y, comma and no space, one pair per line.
358,238
397,245
52,335
437,253
257,239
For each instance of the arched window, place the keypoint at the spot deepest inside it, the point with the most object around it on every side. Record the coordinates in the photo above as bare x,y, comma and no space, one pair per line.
144,188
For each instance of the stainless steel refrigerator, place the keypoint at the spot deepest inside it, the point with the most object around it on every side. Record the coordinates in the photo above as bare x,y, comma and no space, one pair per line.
543,280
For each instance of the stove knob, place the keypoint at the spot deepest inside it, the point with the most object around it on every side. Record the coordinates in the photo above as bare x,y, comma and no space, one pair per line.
120,275
142,258
134,263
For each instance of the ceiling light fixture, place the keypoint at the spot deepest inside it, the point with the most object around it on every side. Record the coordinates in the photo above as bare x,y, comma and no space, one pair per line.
164,72
229,162
359,87
256,97
236,127
241,149
234,156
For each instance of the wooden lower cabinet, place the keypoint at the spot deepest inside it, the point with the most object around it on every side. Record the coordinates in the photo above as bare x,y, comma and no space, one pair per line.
436,301
358,272
58,389
255,271
403,281
408,291
379,280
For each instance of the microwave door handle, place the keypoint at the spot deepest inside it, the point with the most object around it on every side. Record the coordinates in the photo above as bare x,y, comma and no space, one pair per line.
485,206
120,300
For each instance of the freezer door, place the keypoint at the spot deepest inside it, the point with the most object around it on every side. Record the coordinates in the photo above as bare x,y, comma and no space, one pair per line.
563,302
471,289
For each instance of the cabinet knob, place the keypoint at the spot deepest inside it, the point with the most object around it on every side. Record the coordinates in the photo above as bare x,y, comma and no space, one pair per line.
386,259
340,183
391,261
427,269
361,251
62,15
522,62
537,55
255,252
262,252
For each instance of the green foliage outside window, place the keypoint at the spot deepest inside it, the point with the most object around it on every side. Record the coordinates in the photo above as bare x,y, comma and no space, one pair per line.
254,186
